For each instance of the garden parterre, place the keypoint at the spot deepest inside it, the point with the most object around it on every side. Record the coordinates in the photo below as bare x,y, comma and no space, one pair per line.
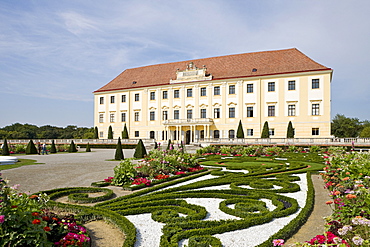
261,193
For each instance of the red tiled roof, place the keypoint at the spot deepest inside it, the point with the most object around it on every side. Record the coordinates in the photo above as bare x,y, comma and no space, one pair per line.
222,67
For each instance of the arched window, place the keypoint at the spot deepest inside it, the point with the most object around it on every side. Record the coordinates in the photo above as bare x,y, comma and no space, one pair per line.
151,135
216,134
231,133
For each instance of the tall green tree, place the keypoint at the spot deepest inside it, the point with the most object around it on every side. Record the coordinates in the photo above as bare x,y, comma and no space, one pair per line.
290,130
53,149
96,133
169,144
342,126
265,131
140,150
110,132
72,147
31,148
88,149
5,149
240,131
365,133
119,154
125,132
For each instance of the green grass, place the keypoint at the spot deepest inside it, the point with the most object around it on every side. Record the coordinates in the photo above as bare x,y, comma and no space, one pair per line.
21,162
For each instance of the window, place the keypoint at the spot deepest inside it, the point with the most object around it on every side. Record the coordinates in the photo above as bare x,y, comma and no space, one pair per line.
137,133
164,115
216,134
249,111
123,117
291,85
176,93
216,91
152,134
249,88
111,99
189,92
123,98
136,116
176,114
272,132
231,133
232,112
203,113
271,87
152,95
165,95
101,118
291,110
202,134
315,83
203,91
111,117
101,100
249,132
152,116
232,89
189,114
271,111
217,113
137,98
315,109
101,134
315,131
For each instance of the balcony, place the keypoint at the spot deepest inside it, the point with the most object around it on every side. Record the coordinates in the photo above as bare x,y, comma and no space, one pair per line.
189,121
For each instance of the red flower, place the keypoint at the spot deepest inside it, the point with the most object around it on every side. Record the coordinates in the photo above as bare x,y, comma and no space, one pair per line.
36,222
47,229
45,218
35,214
14,206
34,196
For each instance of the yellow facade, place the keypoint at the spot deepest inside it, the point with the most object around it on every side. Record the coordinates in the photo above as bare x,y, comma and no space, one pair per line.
195,107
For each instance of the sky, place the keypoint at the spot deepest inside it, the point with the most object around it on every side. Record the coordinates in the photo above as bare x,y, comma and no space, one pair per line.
54,54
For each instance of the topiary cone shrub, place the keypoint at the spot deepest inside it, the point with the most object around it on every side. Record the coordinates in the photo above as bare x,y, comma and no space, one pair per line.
265,131
72,147
31,148
290,130
5,150
140,150
96,134
53,149
119,154
88,149
125,133
169,144
110,132
240,132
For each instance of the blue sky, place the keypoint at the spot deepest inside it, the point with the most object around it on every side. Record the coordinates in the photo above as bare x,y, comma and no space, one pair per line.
54,54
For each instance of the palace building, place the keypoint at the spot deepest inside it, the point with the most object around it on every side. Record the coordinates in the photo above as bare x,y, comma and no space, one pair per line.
204,99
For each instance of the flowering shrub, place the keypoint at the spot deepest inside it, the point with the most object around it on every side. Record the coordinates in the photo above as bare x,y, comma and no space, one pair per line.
109,180
347,177
138,181
24,222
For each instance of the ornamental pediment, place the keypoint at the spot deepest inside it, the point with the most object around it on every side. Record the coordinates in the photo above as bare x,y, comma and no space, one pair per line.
191,73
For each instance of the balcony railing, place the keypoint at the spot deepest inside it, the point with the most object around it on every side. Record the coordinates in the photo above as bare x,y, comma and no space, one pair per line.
191,121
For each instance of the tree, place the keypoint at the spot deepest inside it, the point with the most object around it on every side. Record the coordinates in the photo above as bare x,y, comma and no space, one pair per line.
342,126
290,130
31,148
110,132
365,133
96,133
53,150
72,147
140,150
125,133
88,149
265,131
119,154
5,148
240,132
155,145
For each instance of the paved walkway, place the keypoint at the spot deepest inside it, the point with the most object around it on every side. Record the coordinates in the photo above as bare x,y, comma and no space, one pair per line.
64,170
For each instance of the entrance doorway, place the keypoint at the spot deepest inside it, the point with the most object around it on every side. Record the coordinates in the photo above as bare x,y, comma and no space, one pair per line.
188,137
